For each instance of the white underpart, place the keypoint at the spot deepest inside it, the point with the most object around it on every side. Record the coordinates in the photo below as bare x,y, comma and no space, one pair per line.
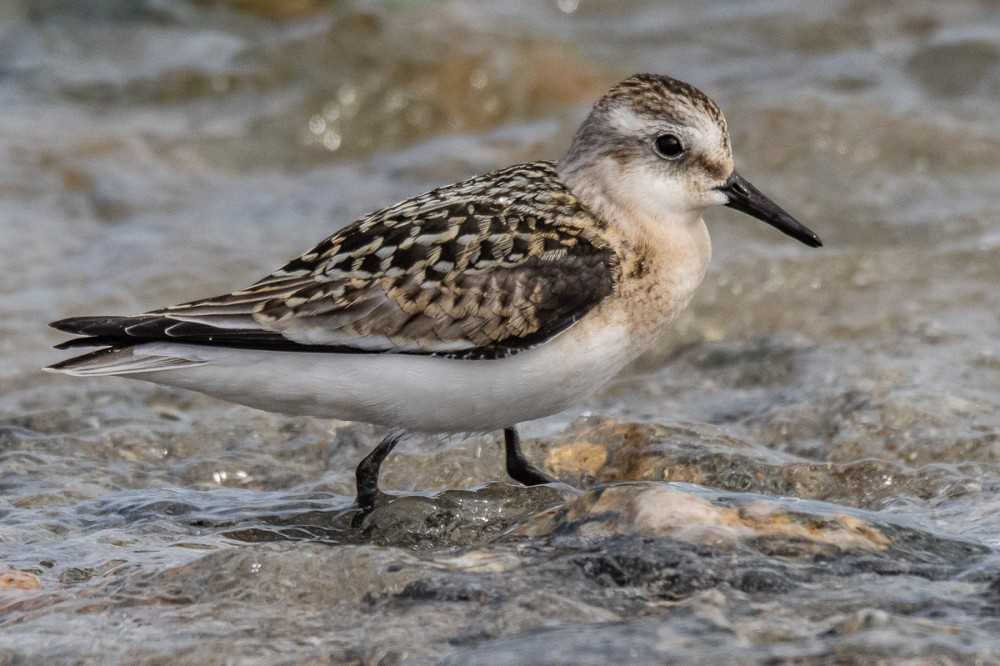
642,191
415,392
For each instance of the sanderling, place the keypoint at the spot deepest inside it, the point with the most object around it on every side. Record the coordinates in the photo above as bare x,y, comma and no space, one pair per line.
475,306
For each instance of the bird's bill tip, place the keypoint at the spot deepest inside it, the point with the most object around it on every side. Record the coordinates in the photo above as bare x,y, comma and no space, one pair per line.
746,198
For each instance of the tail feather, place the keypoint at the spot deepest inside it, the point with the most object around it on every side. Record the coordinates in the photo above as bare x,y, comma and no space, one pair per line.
124,331
119,361
224,331
95,341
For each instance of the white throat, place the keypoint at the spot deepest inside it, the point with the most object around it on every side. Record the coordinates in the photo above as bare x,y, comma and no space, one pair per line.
631,197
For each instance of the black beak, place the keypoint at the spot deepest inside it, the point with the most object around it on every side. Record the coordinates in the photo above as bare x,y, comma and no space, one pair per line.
746,198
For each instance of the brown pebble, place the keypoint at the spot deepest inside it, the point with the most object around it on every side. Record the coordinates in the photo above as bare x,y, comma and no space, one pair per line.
577,457
20,580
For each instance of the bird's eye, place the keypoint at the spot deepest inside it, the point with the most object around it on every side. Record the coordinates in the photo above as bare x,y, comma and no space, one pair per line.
668,145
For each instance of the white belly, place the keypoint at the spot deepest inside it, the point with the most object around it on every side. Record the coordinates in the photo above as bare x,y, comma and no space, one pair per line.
414,392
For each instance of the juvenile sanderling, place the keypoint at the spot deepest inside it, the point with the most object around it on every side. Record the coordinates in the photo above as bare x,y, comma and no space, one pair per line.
475,306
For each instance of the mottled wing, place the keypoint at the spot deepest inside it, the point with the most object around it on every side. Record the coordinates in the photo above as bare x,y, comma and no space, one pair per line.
480,269
477,276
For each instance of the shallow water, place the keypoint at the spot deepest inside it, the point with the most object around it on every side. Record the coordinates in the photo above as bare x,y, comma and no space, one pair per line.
806,468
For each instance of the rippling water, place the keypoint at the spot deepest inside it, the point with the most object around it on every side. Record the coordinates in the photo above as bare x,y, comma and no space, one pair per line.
804,469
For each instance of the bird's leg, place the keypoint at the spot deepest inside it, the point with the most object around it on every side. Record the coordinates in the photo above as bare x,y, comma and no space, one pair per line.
519,467
366,475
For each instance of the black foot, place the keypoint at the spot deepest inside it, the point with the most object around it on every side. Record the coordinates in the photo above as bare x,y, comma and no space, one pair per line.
519,467
366,475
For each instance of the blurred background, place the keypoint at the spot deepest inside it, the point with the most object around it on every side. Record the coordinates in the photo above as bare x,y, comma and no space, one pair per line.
157,151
